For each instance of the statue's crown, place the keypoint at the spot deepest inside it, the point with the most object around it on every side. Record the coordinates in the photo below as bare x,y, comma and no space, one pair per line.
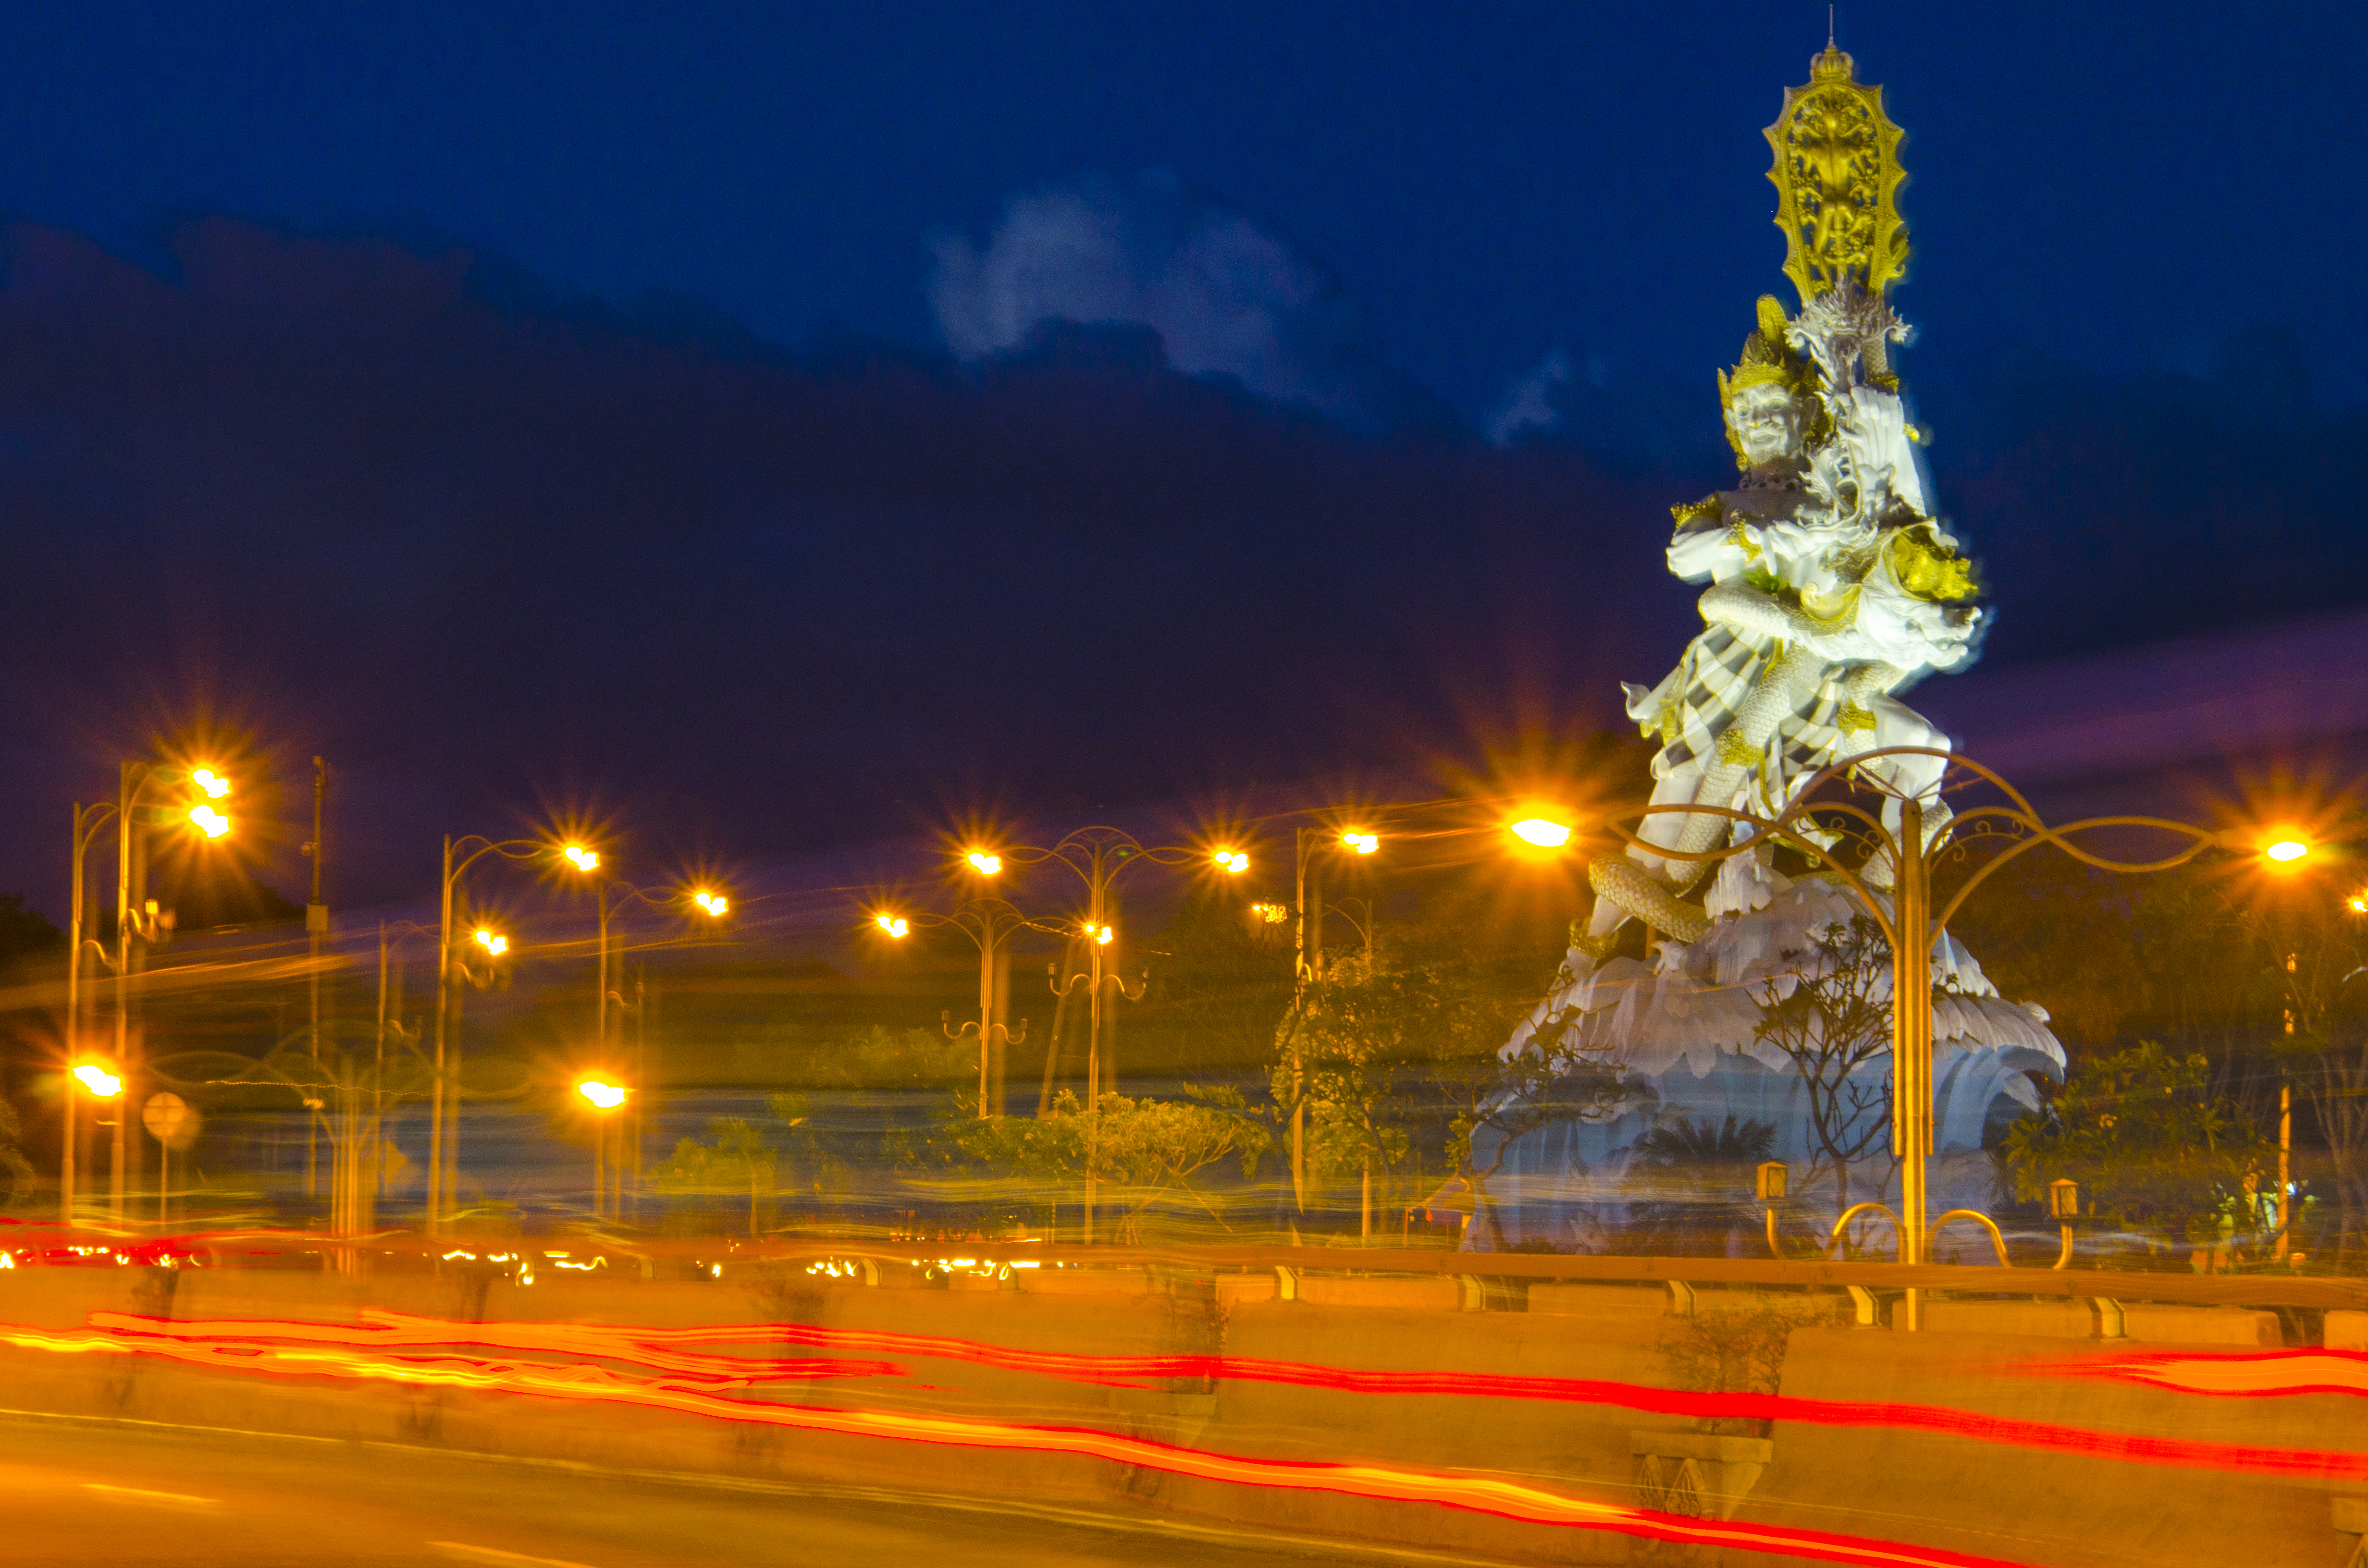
1767,358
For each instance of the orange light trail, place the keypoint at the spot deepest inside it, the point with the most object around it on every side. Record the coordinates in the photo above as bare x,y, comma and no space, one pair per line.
1476,1494
395,1331
2256,1374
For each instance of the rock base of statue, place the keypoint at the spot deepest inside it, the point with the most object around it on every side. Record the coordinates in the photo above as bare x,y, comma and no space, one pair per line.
1691,1028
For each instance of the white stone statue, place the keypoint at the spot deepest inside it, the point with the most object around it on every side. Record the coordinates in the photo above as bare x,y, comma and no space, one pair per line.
1831,587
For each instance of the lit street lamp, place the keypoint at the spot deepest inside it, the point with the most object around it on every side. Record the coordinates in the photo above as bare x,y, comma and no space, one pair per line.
202,787
603,1097
443,1142
611,896
1307,963
1097,856
988,923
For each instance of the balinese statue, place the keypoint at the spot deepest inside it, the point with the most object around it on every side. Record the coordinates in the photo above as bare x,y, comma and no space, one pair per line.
1830,588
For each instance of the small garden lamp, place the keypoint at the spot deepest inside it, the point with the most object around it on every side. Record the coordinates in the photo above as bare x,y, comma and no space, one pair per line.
1772,1186
2064,1207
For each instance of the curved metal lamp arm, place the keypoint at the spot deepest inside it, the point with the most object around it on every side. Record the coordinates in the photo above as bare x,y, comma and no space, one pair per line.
1854,1211
507,848
1765,830
2035,833
1084,841
1984,1220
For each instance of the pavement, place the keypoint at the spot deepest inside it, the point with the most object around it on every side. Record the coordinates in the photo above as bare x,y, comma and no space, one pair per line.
129,1494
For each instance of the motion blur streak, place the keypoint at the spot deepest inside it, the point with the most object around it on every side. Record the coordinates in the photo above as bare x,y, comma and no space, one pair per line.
1506,1499
1137,1372
395,1331
242,1343
2254,1374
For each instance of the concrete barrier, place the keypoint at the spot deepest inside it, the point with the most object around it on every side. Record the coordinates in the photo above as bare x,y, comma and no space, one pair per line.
2048,1320
1989,1498
1434,1295
2200,1325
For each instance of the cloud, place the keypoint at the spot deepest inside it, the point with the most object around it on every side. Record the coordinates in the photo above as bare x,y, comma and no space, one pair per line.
1227,296
1528,401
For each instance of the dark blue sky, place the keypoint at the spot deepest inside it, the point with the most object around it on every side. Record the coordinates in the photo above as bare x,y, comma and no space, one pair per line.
1490,182
657,414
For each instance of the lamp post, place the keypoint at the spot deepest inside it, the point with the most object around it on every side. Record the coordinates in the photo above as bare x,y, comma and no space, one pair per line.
710,904
603,1097
443,1151
2064,1207
1098,856
1772,1184
100,1085
989,922
134,780
1909,922
87,822
1307,965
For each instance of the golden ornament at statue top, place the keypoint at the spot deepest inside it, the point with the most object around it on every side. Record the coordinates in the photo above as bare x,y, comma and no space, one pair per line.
1837,178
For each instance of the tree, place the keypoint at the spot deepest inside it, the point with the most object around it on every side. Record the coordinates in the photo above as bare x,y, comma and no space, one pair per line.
1148,1151
1341,1055
25,932
1693,1186
13,1163
1508,1093
737,1158
2312,948
1223,984
1832,1018
2154,1150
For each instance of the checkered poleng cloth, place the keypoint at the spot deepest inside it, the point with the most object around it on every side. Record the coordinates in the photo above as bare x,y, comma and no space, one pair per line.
1695,703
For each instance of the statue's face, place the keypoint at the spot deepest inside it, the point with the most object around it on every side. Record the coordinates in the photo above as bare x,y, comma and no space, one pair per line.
1767,423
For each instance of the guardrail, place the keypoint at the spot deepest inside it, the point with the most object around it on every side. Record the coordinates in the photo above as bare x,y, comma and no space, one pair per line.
27,1242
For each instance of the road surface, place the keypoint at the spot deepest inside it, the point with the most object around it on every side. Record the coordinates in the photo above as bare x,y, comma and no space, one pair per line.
129,1494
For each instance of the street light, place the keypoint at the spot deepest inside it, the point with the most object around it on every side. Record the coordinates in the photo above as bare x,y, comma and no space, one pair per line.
609,896
984,864
444,1129
1542,832
2063,1206
607,1186
896,926
102,1084
134,916
1773,1184
1909,923
1097,856
1232,862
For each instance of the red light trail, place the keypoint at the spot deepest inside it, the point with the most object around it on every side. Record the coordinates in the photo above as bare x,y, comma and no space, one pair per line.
320,1356
654,1347
2244,1374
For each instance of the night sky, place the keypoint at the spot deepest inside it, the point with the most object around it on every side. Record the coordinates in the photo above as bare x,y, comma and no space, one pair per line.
760,429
